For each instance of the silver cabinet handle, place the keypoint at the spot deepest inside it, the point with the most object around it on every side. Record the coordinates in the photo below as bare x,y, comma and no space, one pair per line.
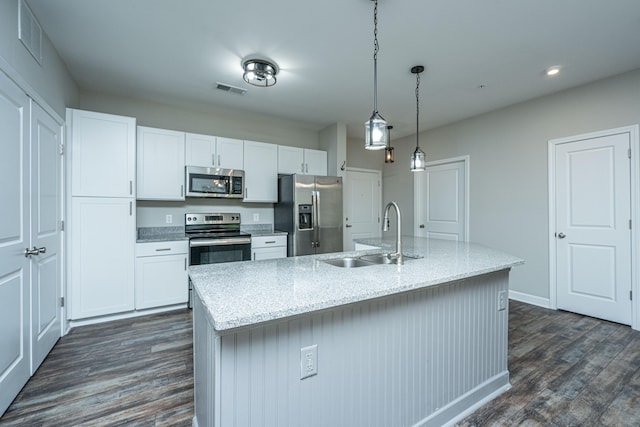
561,235
307,168
213,160
130,208
302,167
219,160
163,249
270,241
130,188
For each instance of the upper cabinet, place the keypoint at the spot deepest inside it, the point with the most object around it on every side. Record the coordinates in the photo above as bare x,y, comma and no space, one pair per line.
301,160
260,172
211,151
103,154
161,164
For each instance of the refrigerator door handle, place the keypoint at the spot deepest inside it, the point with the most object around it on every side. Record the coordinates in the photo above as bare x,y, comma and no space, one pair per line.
315,202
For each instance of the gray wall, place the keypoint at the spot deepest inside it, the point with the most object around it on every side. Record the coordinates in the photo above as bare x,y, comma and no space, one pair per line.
207,120
50,83
359,157
508,166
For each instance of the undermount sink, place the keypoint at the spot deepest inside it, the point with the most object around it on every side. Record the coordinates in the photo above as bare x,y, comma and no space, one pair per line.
348,262
363,261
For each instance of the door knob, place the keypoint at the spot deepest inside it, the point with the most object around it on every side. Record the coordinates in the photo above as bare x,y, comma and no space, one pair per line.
348,226
421,225
561,235
34,251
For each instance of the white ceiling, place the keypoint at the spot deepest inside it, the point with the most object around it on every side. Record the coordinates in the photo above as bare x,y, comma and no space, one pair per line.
176,50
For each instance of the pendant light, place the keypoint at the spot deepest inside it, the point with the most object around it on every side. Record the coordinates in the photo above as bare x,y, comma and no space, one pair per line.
418,161
376,126
388,150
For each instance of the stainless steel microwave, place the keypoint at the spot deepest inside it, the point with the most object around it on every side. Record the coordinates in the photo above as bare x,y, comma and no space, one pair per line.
214,182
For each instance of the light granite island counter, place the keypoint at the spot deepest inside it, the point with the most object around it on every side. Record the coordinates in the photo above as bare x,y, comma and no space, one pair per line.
393,345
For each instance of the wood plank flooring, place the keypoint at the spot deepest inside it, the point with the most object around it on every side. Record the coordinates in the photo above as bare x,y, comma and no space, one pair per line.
133,372
566,370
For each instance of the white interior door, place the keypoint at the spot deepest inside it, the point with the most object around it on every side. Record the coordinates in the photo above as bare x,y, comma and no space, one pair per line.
14,238
363,193
45,233
441,195
593,236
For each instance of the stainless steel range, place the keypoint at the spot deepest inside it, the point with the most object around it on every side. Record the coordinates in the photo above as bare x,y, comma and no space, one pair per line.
215,238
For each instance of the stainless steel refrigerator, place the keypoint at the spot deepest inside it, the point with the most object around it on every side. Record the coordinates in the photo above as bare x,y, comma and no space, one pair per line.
309,208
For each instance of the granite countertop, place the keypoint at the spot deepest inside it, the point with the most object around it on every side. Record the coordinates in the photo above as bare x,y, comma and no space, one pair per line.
268,233
160,234
245,293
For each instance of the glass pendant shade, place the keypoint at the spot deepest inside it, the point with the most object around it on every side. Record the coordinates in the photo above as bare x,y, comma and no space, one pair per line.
388,155
418,160
375,133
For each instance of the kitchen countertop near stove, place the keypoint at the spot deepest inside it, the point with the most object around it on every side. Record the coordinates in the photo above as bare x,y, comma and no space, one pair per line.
241,294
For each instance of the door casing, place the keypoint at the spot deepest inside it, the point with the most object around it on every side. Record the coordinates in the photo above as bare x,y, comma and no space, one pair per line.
633,131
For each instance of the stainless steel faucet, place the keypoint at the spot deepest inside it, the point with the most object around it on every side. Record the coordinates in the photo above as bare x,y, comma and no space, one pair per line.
385,227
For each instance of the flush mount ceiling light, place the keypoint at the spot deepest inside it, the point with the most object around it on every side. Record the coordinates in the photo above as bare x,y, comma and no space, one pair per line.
259,72
418,161
552,71
376,126
388,150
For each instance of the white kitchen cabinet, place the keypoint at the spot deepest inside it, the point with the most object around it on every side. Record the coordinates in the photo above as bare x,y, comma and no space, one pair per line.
301,160
315,162
260,172
160,160
103,154
364,247
268,247
161,274
214,152
103,237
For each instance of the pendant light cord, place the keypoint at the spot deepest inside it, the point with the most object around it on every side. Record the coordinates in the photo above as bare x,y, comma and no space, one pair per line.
376,48
417,106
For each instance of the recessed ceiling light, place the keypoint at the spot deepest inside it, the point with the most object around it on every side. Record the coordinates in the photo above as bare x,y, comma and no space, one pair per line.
552,71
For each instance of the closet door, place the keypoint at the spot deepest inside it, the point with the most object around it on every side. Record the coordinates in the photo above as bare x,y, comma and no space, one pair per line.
46,267
14,238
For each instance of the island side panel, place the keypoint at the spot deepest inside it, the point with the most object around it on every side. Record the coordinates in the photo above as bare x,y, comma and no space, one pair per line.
418,358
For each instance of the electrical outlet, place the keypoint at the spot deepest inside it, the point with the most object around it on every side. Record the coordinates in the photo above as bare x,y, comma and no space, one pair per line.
168,219
256,217
502,300
308,361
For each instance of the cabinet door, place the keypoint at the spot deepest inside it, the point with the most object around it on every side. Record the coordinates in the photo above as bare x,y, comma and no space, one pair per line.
103,149
290,159
160,164
161,280
315,162
229,153
200,150
103,233
261,172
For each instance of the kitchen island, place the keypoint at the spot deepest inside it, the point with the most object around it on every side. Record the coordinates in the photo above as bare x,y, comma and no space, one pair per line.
384,345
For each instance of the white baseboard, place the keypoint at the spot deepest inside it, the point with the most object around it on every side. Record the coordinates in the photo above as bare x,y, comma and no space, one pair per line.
530,299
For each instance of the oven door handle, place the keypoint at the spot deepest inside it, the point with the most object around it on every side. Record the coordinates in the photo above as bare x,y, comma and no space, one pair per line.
194,243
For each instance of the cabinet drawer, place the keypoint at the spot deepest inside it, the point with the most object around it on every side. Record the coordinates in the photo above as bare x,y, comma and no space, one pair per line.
268,241
162,248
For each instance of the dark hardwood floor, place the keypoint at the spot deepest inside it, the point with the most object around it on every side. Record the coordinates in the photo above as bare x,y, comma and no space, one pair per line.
566,370
134,372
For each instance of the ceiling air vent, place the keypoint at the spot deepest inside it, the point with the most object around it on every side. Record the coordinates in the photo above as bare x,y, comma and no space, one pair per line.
229,88
29,31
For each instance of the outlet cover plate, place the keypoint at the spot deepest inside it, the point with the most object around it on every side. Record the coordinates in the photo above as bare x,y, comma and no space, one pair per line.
308,361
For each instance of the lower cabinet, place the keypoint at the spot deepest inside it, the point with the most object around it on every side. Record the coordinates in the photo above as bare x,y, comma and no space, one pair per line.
268,247
161,274
103,237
